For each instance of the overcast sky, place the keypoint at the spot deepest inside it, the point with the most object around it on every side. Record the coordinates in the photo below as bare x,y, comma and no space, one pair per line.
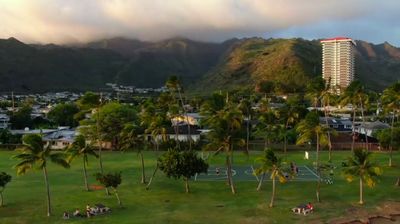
66,21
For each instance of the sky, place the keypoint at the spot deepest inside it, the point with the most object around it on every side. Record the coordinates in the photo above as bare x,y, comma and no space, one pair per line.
80,21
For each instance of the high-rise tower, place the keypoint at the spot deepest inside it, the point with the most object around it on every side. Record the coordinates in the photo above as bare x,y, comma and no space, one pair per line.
338,62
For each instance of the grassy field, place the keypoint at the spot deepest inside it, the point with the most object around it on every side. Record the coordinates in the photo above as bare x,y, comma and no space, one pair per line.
166,202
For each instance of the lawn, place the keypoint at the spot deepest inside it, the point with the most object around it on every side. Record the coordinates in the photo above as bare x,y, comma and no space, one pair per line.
166,202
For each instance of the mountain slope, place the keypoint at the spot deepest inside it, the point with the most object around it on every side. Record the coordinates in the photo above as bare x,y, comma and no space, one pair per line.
291,63
203,67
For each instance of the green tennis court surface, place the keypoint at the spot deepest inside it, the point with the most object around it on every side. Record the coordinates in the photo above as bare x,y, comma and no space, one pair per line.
245,173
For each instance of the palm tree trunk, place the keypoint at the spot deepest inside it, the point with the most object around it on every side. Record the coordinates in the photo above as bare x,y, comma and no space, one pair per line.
230,179
363,119
271,204
101,164
85,174
318,171
353,133
329,133
398,182
285,137
143,181
391,142
152,176
248,133
1,198
46,182
189,137
260,182
361,192
187,189
116,195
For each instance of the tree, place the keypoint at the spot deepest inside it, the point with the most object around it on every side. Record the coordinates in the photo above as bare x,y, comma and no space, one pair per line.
131,140
290,114
270,163
63,114
79,148
360,166
245,107
110,181
174,85
391,103
309,129
22,118
184,164
111,119
4,180
355,95
314,90
34,154
224,122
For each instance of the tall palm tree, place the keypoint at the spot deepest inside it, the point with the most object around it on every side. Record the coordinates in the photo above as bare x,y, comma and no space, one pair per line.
289,114
326,99
310,128
33,154
174,84
131,140
158,131
79,148
245,107
270,163
360,166
391,102
224,123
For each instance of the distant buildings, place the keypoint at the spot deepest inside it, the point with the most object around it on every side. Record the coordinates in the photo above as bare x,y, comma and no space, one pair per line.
338,62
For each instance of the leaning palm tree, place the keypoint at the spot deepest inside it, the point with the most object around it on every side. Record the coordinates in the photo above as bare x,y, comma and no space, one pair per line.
360,166
269,163
79,148
131,140
310,128
33,154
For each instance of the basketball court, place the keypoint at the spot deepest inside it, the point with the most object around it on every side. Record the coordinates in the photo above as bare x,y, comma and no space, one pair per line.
246,173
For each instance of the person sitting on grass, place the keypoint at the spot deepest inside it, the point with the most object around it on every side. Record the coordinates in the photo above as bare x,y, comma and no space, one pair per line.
310,207
77,213
65,215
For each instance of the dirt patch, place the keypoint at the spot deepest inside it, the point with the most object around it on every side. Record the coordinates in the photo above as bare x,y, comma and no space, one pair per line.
385,213
94,187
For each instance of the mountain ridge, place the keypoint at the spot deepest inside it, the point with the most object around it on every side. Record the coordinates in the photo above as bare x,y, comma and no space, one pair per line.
203,66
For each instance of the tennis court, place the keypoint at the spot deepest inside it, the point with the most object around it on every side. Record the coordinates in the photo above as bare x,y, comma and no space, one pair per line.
246,173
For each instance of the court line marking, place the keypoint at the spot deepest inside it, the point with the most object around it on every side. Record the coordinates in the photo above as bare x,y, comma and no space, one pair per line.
311,171
252,168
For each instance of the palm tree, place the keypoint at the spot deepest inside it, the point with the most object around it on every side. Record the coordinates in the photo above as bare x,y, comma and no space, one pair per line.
245,107
34,154
224,123
391,102
356,95
311,128
130,140
174,84
290,115
273,165
360,166
158,131
326,97
79,148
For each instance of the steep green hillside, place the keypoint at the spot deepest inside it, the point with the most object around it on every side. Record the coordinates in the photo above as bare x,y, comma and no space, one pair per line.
291,63
27,68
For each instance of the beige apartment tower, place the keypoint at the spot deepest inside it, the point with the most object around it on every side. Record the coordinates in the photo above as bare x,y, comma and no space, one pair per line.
338,63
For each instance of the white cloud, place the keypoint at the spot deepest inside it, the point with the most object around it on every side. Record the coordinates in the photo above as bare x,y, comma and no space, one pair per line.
61,21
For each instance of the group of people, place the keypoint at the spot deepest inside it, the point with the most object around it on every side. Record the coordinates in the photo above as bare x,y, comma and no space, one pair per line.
90,211
304,209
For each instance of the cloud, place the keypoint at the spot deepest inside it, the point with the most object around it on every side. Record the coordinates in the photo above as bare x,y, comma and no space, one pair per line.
64,21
